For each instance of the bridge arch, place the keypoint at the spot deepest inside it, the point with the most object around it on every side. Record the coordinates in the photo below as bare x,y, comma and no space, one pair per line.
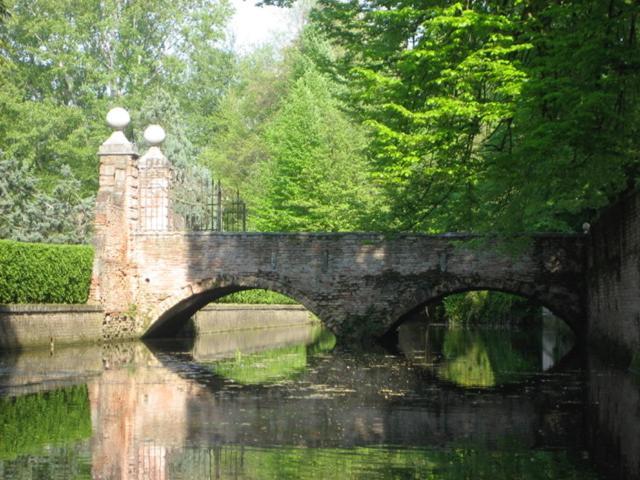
437,293
170,315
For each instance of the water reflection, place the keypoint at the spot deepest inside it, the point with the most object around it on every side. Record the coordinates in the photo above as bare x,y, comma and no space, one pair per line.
484,357
208,410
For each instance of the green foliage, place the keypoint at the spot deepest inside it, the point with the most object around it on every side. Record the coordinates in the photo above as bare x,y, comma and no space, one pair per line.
486,358
31,422
257,296
233,153
284,138
458,462
264,367
67,62
508,116
488,308
315,178
27,213
324,342
39,273
274,365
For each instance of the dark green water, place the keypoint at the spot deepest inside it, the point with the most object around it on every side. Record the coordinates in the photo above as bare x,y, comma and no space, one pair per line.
280,404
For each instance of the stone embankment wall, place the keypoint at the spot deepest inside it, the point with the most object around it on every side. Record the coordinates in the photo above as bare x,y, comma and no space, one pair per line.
221,317
613,279
48,324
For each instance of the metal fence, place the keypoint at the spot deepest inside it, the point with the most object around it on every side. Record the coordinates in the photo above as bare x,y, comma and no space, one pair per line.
202,204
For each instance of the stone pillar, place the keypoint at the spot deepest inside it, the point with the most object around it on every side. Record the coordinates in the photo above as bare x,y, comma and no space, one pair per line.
116,219
155,179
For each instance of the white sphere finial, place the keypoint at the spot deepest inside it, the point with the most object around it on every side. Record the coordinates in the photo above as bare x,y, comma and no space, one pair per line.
118,118
586,227
154,135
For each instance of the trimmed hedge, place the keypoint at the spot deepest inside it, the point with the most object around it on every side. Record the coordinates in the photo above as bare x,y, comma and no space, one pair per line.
44,273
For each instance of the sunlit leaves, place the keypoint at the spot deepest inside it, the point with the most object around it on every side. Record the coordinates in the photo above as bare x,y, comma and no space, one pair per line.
315,178
68,62
506,116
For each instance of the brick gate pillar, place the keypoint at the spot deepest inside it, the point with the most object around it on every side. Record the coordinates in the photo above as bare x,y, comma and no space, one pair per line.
116,219
155,178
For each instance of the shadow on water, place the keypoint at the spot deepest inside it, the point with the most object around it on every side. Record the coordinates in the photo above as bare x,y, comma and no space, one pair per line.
613,419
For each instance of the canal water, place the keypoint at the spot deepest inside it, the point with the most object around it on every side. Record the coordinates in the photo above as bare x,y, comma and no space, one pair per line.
439,403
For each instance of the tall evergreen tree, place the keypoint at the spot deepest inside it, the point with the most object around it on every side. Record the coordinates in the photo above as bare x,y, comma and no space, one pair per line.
315,178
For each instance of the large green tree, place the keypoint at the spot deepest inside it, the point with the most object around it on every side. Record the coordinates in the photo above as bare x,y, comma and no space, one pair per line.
511,115
68,62
285,140
260,82
29,214
315,177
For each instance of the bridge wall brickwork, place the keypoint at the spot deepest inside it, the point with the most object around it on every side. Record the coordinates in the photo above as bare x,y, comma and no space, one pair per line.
358,284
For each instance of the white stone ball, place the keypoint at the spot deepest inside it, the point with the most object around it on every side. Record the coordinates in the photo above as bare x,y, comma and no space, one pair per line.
118,118
154,135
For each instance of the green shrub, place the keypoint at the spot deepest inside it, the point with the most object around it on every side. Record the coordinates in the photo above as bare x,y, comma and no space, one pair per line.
44,273
257,296
488,308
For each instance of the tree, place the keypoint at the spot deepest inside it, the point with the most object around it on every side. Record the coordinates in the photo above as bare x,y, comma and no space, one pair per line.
28,214
284,140
237,145
315,178
70,61
479,110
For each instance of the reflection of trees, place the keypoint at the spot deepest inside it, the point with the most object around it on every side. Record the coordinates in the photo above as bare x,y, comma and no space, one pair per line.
487,307
263,367
486,358
462,462
273,365
50,424
30,422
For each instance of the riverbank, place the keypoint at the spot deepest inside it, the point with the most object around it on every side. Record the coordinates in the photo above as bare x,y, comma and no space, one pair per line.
47,325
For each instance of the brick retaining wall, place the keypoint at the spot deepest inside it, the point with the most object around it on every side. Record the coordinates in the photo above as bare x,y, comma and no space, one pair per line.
224,317
34,325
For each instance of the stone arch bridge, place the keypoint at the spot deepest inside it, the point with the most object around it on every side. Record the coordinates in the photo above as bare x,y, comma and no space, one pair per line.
150,277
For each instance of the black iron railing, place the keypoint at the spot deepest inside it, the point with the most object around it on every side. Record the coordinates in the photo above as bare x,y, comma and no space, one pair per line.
200,203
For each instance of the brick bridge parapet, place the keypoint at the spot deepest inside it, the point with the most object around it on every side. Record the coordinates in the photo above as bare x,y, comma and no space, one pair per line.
150,279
